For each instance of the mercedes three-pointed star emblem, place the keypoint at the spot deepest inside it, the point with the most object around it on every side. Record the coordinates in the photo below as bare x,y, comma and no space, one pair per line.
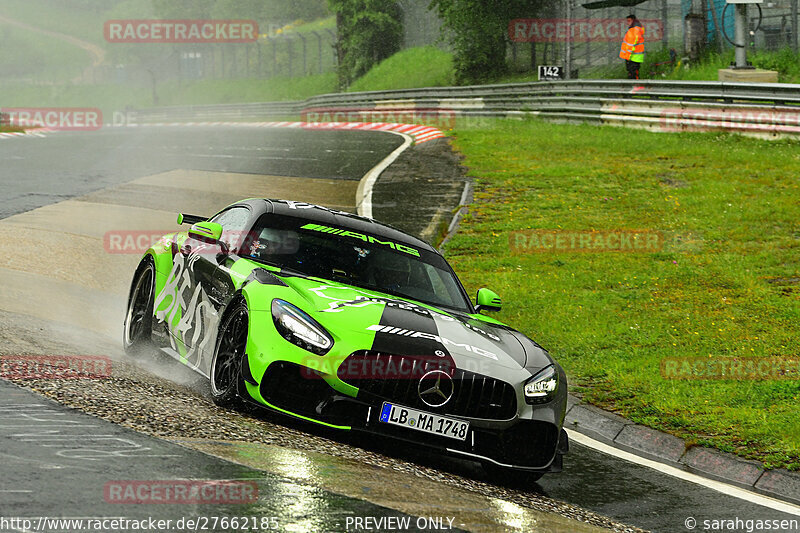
435,388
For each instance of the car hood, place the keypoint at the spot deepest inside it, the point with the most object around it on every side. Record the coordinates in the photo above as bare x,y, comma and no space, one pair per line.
405,327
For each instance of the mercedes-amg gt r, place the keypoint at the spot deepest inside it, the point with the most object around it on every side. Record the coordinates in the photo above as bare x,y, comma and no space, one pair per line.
342,321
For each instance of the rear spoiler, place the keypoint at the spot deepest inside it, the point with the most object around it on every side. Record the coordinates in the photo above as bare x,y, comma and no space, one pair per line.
190,219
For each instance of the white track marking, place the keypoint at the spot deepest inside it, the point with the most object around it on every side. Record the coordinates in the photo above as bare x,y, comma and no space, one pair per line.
719,486
364,194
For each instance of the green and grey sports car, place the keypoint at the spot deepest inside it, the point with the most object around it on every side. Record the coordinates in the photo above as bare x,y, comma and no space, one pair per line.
342,321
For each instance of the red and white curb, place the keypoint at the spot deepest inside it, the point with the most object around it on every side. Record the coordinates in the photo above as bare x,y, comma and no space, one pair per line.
27,133
418,133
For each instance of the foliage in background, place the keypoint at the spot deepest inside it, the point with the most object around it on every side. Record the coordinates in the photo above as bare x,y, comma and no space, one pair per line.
478,32
785,61
369,31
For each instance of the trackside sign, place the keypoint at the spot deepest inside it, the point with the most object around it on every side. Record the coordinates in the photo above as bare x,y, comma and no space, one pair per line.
578,30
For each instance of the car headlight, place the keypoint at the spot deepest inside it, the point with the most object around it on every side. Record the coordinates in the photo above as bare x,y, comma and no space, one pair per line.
300,329
542,387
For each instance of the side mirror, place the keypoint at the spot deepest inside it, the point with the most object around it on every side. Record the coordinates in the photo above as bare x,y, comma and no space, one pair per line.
487,300
190,219
209,232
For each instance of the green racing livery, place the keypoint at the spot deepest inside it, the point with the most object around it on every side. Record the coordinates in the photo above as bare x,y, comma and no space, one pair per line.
342,321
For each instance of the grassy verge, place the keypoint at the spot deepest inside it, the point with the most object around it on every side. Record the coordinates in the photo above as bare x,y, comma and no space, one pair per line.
42,65
110,98
39,58
784,61
71,18
425,66
611,318
247,90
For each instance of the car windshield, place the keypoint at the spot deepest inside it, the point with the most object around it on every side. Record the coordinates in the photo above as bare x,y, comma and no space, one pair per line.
360,259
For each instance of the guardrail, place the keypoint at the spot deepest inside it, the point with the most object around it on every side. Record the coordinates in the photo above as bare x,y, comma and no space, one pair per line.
766,109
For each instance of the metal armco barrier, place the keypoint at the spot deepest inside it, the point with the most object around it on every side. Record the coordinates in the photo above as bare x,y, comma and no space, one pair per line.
767,109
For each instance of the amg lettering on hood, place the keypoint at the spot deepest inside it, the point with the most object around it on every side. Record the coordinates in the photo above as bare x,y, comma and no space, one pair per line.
363,237
430,336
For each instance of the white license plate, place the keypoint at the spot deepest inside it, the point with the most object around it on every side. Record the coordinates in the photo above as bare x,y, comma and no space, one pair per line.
422,421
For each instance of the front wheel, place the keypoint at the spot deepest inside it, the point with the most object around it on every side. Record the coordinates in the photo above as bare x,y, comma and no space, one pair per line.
226,366
139,318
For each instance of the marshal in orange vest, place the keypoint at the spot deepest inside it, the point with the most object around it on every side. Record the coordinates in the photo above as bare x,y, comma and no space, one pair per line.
633,44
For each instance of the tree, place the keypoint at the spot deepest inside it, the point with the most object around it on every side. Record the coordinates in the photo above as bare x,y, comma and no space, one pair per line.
478,33
369,32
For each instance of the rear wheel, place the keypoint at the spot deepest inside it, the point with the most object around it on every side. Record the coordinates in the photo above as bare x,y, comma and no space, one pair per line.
226,366
139,318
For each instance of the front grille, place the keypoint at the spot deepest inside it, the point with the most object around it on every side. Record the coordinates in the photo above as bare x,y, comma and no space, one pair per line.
474,395
529,443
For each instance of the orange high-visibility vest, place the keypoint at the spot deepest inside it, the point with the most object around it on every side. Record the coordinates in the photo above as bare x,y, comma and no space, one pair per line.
633,44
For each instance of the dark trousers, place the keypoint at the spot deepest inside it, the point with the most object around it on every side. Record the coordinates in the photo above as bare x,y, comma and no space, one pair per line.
633,69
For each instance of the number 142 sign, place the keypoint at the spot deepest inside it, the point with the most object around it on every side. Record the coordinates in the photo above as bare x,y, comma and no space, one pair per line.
551,73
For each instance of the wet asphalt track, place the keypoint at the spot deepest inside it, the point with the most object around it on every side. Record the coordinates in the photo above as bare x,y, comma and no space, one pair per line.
41,171
57,463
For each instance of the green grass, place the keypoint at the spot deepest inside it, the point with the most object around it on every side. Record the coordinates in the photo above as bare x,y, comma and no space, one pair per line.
411,68
248,90
73,18
25,54
28,56
611,318
116,97
784,61
110,98
107,98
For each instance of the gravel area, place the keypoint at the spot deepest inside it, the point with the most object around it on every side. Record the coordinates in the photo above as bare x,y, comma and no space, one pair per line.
136,396
420,192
